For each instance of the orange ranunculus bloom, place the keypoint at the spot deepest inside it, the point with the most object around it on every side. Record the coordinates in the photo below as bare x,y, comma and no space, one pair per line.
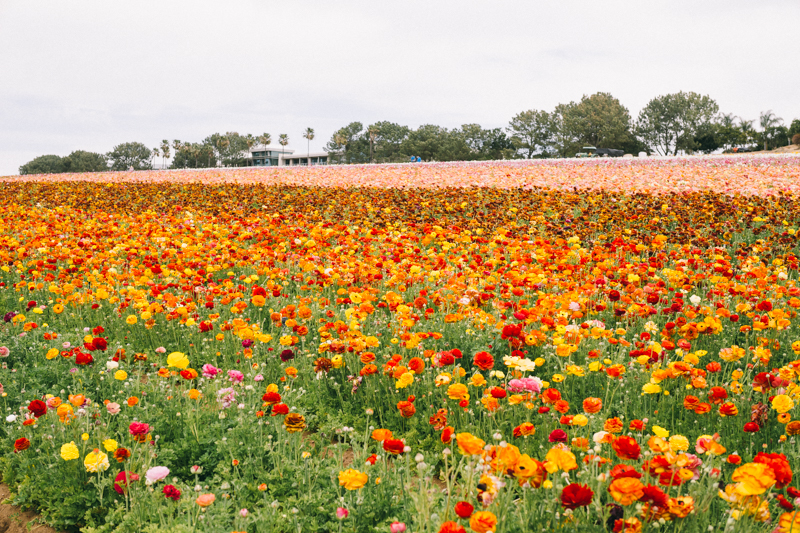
523,430
753,479
406,408
550,396
483,522
133,400
417,365
613,425
483,360
592,405
381,435
626,490
469,444
626,447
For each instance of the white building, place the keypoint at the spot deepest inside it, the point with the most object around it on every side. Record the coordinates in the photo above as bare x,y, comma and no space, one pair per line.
284,157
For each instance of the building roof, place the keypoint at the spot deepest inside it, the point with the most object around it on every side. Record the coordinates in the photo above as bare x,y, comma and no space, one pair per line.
306,154
269,148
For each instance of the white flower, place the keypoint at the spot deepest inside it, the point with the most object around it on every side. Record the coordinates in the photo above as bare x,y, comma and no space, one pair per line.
112,365
695,299
11,418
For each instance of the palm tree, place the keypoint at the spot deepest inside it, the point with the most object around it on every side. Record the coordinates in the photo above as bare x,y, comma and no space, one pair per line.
747,129
265,139
309,134
155,154
250,141
164,152
768,120
283,140
341,140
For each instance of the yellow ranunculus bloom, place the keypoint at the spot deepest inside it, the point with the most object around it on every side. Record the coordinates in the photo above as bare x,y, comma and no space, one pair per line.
352,479
96,461
782,403
69,451
131,320
110,445
120,375
178,360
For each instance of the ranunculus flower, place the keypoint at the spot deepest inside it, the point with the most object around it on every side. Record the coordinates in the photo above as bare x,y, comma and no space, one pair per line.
753,479
468,444
171,491
157,473
395,446
576,495
352,479
178,360
69,451
294,422
112,408
204,500
557,435
123,479
209,371
37,407
626,447
780,467
483,522
626,490
21,444
138,428
464,509
96,461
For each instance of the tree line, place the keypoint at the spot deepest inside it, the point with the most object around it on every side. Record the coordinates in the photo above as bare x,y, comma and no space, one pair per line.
671,124
683,122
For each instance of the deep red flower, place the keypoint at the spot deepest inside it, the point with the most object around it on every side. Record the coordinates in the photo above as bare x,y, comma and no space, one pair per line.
483,360
751,427
84,359
464,509
280,409
37,407
497,392
626,447
122,480
171,491
557,435
21,444
99,343
575,495
655,496
394,446
625,471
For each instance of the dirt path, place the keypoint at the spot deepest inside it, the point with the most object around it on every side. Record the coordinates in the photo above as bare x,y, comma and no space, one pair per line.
13,520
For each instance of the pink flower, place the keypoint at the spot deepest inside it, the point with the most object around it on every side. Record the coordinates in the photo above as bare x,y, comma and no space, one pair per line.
210,371
243,513
138,428
157,473
112,408
161,349
397,527
234,376
259,377
341,513
4,351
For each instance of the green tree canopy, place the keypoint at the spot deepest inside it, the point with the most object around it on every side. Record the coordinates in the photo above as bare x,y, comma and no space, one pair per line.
81,161
533,133
127,155
670,123
598,120
44,164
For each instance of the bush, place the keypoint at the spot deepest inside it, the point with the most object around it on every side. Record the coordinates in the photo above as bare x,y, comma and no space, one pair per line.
44,164
796,138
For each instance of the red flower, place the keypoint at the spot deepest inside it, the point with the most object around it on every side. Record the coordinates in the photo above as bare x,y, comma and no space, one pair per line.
189,373
271,398
625,471
99,343
447,434
483,360
37,407
171,491
280,409
778,463
497,392
655,495
575,495
636,425
394,446
84,359
21,444
784,503
138,428
464,509
557,435
626,447
122,480
751,427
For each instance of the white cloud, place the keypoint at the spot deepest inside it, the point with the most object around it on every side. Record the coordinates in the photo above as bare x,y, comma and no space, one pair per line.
91,74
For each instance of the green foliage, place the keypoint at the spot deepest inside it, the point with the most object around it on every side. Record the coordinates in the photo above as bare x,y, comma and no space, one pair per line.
533,133
670,123
598,120
81,161
44,164
194,155
131,154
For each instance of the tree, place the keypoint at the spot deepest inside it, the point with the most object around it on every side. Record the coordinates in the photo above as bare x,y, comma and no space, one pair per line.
264,140
155,153
127,155
164,153
250,141
768,122
598,120
44,164
728,133
387,140
80,161
533,133
794,128
283,140
670,123
309,136
347,144
747,129
372,134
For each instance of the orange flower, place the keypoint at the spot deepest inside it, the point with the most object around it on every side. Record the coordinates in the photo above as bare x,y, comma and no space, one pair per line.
483,522
626,490
406,409
381,435
132,401
592,405
469,444
613,425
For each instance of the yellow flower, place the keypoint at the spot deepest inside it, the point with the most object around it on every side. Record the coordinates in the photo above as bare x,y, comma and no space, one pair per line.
782,403
52,353
178,360
753,479
131,320
678,443
337,361
651,388
458,391
579,420
660,432
559,458
120,375
352,479
558,378
110,445
85,437
69,451
477,380
405,380
96,461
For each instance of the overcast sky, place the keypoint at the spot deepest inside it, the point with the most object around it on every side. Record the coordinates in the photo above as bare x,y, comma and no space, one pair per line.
86,74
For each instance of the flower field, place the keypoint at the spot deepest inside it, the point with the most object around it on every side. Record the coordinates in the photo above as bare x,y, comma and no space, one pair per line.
509,346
